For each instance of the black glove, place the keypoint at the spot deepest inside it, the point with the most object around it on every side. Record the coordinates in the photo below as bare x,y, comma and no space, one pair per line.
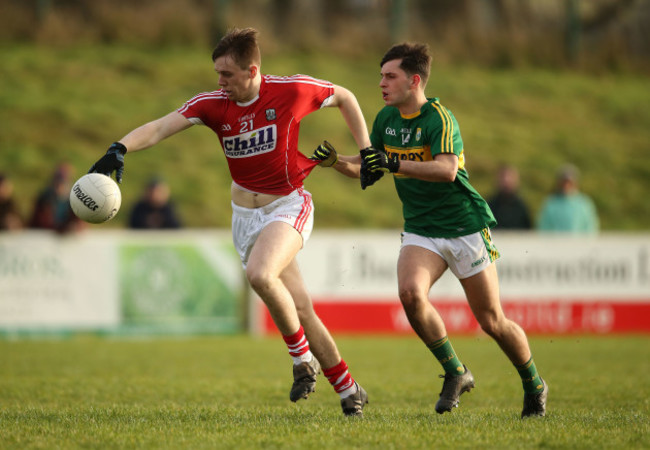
377,160
326,154
368,178
113,160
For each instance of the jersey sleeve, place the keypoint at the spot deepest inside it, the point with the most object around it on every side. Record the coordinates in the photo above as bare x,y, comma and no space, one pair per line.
375,135
444,134
194,109
311,94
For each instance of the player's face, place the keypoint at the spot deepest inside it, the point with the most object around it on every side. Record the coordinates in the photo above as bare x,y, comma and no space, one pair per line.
236,82
395,84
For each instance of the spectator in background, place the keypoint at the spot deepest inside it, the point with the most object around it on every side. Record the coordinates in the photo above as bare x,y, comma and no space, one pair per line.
154,210
506,204
568,209
52,209
10,218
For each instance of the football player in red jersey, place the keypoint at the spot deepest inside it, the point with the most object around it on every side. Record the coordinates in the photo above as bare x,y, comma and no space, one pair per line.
257,119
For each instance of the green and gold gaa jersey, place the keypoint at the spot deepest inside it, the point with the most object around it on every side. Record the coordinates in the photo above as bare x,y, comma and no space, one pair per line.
431,209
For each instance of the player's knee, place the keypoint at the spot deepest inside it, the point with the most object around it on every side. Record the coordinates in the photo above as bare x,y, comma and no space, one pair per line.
491,324
411,299
259,280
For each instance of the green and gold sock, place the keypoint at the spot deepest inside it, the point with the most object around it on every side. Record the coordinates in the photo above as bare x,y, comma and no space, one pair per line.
445,354
530,378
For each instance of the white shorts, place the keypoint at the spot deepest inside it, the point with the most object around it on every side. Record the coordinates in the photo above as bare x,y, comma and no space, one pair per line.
295,209
465,255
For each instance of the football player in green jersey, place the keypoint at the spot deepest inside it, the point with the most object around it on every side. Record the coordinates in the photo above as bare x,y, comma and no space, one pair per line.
446,222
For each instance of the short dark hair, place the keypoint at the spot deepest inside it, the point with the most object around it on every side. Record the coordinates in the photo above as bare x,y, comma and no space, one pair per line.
241,45
415,59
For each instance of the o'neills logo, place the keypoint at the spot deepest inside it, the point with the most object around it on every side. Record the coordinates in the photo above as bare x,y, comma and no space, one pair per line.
85,198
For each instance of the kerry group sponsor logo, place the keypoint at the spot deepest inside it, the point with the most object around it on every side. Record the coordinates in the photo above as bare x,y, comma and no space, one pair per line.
418,153
86,199
256,142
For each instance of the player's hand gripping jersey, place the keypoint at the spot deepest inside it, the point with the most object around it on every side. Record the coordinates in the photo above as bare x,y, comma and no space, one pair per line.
431,209
260,138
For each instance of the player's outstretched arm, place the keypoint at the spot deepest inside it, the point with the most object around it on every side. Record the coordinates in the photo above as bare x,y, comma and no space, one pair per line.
142,137
329,157
442,169
356,166
153,132
351,112
349,165
352,166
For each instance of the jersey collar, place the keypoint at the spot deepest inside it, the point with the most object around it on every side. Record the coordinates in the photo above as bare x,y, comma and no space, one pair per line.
410,116
422,110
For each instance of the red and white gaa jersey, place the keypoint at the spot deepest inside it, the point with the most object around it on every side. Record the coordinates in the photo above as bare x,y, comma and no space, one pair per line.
260,138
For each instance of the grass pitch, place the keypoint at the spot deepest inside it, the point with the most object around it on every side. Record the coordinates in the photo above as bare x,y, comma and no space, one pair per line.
232,392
